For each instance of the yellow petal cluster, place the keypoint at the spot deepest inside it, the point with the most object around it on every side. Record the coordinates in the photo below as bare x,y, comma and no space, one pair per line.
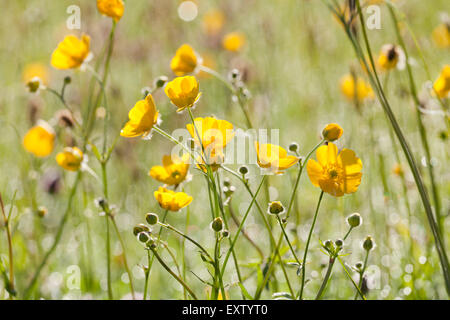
234,41
183,92
142,117
213,132
441,35
185,60
442,84
173,170
335,173
70,158
40,140
332,132
71,52
355,88
171,200
273,157
111,8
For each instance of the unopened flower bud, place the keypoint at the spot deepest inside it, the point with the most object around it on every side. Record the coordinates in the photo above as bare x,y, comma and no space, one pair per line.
243,170
354,220
328,244
67,79
217,224
358,265
275,207
368,243
293,147
234,74
161,81
34,84
332,132
140,228
339,243
42,211
225,233
151,218
143,237
226,182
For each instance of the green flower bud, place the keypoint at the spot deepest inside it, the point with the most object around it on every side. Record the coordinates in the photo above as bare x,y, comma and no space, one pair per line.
140,228
293,147
42,211
143,237
67,79
217,224
226,182
358,265
368,243
275,207
151,218
354,220
161,81
243,170
225,233
339,243
328,244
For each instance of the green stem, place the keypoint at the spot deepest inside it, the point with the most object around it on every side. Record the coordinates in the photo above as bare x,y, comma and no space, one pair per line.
327,277
361,274
173,274
307,245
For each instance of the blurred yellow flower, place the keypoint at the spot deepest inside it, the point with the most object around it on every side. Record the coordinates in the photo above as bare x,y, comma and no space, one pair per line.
183,92
391,56
273,157
71,52
213,132
398,170
111,8
173,170
336,174
40,139
441,35
442,84
36,70
70,158
171,200
142,117
363,89
213,22
185,60
332,132
214,158
234,41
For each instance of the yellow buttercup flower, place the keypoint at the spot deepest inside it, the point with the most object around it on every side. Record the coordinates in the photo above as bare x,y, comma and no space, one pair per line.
171,200
213,21
185,60
335,173
442,84
36,70
143,116
70,158
183,92
273,157
234,41
441,35
214,133
355,88
173,171
111,8
332,132
71,52
40,140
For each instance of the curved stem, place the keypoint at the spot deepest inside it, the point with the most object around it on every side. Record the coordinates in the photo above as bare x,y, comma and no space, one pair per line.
327,277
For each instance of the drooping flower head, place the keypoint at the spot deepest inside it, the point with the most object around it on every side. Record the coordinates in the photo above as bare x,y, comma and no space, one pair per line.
142,117
335,173
234,41
274,158
442,84
71,52
70,158
111,8
183,92
173,170
353,87
185,60
40,139
391,56
332,132
171,200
